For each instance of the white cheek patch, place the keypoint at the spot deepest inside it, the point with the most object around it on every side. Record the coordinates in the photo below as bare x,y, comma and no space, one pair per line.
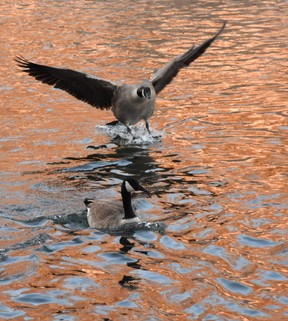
88,211
128,187
130,220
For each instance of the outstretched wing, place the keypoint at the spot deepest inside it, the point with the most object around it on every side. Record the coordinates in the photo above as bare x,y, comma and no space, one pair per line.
165,75
94,91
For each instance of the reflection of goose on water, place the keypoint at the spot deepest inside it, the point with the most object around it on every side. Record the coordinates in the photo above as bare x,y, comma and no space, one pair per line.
129,103
110,214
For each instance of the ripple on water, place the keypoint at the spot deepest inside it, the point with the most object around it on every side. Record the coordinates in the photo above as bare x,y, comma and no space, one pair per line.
255,242
115,258
153,277
182,224
8,313
79,283
266,278
244,308
171,244
96,165
51,296
55,247
234,286
237,262
18,267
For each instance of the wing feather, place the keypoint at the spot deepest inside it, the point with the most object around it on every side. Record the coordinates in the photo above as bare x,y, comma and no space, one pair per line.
94,91
165,74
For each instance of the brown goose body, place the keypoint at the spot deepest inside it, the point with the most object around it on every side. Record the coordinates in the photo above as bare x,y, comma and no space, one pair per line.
105,214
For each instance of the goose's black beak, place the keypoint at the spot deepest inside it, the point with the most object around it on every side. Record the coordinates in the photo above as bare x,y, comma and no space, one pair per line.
145,191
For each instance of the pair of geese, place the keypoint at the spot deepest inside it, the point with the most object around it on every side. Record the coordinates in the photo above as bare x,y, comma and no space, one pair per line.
129,104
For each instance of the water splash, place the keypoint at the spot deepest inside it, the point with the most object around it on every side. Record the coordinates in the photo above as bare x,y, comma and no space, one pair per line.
138,135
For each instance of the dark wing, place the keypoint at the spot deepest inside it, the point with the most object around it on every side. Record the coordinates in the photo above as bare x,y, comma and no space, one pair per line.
165,75
96,92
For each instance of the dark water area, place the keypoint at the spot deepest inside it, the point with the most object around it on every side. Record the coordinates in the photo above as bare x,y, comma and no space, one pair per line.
213,245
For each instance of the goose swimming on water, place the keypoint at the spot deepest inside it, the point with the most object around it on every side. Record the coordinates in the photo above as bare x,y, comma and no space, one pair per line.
110,214
129,103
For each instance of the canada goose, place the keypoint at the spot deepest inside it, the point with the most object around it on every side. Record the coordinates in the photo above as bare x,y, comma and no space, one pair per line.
108,214
129,103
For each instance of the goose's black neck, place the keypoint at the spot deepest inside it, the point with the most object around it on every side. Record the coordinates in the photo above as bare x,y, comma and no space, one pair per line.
126,199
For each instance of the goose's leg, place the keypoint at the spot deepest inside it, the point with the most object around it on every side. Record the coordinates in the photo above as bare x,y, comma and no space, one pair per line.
148,129
147,126
129,131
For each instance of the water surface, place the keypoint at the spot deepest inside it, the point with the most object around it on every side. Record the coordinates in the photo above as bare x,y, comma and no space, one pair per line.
218,173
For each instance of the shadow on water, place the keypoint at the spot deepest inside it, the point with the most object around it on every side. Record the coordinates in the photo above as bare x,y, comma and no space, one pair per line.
111,160
127,155
120,161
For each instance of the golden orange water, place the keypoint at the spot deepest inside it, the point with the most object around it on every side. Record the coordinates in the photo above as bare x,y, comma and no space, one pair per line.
218,175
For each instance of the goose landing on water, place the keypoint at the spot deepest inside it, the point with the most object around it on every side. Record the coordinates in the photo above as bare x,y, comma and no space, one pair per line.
129,103
108,214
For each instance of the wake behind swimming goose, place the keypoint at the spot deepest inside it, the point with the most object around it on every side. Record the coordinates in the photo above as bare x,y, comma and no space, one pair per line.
129,103
104,214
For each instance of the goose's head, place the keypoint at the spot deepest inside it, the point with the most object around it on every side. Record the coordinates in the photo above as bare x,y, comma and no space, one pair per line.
144,92
88,202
